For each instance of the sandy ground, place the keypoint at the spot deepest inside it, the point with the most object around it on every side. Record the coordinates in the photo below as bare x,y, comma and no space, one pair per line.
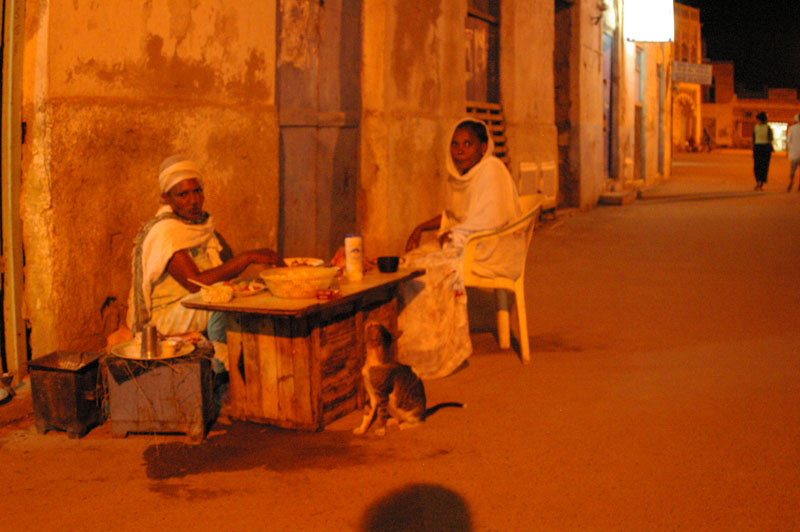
663,394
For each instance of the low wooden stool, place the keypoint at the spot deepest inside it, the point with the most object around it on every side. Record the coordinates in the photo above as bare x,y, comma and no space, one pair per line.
161,396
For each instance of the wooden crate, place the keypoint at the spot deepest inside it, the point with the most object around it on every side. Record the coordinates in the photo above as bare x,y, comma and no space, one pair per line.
303,372
67,394
161,396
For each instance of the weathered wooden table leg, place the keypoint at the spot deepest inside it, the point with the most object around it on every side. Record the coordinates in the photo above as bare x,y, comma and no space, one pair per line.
302,372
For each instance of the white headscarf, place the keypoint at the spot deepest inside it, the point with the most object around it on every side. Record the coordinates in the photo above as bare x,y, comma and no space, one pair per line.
454,174
175,169
484,197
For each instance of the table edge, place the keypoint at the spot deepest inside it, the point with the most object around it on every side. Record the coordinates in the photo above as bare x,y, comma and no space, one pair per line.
316,306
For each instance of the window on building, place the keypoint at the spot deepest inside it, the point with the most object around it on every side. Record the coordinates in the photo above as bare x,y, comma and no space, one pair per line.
640,78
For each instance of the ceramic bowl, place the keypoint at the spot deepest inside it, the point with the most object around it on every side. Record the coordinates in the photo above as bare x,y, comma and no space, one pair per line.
298,282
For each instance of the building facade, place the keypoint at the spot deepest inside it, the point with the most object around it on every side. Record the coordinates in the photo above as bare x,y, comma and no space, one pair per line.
311,120
729,117
612,104
687,128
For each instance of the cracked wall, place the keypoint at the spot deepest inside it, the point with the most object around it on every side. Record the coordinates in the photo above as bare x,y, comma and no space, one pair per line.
110,89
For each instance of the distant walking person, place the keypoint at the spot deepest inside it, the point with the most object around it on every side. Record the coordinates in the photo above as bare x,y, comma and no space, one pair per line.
793,149
762,149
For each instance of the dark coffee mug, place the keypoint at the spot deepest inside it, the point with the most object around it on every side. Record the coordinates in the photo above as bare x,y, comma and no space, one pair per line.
388,264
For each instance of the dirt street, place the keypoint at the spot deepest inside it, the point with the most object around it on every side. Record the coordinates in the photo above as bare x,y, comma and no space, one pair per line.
663,394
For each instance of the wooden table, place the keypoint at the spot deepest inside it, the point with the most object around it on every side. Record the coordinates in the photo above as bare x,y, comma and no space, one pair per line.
296,363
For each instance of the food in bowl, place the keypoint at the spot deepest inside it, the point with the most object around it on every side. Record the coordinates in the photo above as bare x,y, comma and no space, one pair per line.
245,287
303,261
217,293
169,347
298,282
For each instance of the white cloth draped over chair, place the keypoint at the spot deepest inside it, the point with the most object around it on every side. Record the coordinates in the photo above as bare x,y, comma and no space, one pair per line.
518,232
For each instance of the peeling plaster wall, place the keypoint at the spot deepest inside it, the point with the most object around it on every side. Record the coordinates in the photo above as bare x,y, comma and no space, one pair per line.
110,89
414,89
411,95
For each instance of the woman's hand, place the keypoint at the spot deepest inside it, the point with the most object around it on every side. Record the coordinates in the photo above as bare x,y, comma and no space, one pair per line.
266,256
413,240
182,267
416,234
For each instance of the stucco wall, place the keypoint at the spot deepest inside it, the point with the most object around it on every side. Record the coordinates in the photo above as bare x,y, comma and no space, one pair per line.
625,114
413,90
656,56
687,120
526,81
111,88
587,155
722,113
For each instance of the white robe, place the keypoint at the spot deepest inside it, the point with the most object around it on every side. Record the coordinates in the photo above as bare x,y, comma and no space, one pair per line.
433,315
162,294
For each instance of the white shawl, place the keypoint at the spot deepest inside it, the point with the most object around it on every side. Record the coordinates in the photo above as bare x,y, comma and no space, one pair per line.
168,236
485,198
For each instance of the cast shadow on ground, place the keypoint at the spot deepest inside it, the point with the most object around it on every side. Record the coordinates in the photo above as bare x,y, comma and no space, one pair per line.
418,508
242,446
552,343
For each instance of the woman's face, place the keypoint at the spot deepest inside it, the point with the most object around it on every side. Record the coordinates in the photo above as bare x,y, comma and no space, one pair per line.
186,199
466,149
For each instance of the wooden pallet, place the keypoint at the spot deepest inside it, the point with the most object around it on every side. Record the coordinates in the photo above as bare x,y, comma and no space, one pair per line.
492,115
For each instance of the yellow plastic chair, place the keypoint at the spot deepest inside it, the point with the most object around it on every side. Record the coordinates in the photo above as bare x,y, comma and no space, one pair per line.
531,208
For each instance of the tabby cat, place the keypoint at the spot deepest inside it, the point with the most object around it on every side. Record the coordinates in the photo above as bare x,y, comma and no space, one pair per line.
394,390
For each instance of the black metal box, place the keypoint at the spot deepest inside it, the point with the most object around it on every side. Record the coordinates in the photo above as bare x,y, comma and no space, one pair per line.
67,392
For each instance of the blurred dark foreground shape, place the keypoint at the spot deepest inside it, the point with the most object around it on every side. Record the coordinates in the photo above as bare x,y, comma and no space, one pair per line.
418,508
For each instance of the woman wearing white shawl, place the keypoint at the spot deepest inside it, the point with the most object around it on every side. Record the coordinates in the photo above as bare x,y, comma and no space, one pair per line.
481,196
178,245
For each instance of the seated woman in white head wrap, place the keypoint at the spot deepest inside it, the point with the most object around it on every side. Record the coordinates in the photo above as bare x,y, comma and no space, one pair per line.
481,196
178,245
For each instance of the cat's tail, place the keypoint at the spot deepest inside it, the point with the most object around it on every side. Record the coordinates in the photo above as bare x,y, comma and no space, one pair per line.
436,407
